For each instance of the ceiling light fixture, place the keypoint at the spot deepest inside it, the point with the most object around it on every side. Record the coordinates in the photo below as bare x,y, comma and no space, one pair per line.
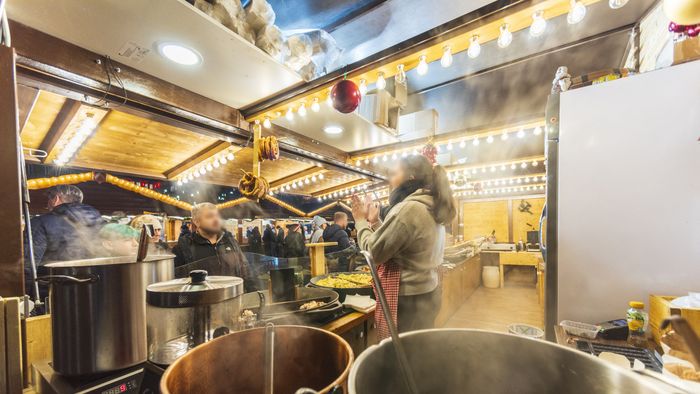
576,13
302,109
315,106
381,82
401,74
290,114
266,123
539,24
363,87
505,37
422,68
474,47
332,129
446,59
179,54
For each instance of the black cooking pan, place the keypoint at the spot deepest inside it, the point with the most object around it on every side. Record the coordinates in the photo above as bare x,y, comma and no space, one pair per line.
342,292
288,311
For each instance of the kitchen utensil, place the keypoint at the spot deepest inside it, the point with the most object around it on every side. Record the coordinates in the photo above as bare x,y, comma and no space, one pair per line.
144,237
461,361
404,365
98,312
525,330
580,329
290,311
311,357
269,358
187,312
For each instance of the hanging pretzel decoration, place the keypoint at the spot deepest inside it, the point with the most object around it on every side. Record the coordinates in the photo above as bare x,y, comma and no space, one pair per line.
268,148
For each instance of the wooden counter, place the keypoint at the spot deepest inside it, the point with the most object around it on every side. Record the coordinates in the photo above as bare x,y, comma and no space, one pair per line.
457,284
358,329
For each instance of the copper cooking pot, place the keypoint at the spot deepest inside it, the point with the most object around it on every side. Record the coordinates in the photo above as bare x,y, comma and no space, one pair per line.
303,357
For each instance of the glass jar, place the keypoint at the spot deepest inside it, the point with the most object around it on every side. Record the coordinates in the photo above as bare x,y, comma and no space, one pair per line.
637,322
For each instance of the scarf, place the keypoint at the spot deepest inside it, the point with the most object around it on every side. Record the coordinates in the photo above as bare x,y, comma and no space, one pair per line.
390,272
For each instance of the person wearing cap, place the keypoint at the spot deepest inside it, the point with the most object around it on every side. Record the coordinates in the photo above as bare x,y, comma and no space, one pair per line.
118,240
153,221
318,224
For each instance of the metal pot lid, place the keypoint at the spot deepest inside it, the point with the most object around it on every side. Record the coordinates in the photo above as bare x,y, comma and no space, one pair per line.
198,289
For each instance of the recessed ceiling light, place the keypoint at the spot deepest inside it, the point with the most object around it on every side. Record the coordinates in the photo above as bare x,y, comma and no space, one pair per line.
333,129
179,54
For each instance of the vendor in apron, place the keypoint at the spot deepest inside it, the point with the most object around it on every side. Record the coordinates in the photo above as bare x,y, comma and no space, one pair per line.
210,247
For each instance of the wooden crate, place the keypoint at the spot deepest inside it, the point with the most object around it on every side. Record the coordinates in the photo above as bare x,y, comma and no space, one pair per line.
660,308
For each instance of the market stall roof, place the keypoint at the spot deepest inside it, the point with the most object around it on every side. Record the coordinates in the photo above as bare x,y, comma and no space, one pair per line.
128,144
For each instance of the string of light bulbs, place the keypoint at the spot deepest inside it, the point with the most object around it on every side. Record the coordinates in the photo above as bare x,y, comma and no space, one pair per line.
523,164
476,139
343,192
297,183
540,13
503,190
208,165
70,147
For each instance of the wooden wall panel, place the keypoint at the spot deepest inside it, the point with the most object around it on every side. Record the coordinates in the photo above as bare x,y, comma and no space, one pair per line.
523,221
481,218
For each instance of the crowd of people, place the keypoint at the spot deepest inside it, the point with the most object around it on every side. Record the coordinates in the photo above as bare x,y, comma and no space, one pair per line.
406,238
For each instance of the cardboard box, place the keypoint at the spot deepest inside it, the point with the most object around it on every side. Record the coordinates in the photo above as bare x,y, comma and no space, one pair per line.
686,49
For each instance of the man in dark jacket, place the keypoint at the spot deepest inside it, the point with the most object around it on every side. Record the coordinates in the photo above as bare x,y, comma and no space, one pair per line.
68,232
336,233
268,239
294,242
279,241
211,248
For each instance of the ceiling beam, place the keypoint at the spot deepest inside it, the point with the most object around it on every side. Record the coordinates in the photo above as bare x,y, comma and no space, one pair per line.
197,158
26,98
346,185
68,111
301,141
291,178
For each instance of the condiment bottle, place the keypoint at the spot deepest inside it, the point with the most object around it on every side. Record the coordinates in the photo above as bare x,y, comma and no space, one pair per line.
637,322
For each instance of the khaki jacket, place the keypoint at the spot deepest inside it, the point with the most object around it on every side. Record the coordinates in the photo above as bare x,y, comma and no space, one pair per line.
410,237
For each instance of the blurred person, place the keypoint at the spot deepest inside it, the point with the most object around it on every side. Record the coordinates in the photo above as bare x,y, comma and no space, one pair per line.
67,232
119,239
407,242
279,240
336,233
255,240
158,245
268,239
294,242
318,224
212,246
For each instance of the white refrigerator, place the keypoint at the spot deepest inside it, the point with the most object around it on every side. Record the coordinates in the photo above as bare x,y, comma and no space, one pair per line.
627,194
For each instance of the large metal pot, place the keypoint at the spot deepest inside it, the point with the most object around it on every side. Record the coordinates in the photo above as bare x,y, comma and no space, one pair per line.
473,361
304,357
98,311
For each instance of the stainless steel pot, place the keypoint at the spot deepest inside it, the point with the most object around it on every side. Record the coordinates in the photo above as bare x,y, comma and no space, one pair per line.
474,361
98,311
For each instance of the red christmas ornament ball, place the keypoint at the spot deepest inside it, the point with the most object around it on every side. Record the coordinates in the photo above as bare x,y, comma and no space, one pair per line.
673,27
693,31
346,96
430,152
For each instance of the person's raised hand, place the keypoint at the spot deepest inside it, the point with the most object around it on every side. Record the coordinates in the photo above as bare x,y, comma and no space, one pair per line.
372,208
359,208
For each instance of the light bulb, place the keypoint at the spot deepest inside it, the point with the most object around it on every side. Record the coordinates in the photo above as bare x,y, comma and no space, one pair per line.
539,24
302,109
401,74
290,114
314,178
363,87
320,176
513,166
179,182
489,139
446,59
381,82
615,4
222,160
506,37
537,131
202,171
475,142
449,145
315,106
185,180
385,158
422,68
307,181
230,156
209,167
462,144
357,163
474,47
266,123
216,164
329,100
576,13
521,133
375,160
504,136
404,154
366,160
534,163
524,165
394,156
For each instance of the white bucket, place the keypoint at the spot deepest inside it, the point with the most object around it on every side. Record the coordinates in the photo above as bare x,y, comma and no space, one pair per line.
490,278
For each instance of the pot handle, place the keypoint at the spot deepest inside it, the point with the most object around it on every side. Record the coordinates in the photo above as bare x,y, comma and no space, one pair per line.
48,279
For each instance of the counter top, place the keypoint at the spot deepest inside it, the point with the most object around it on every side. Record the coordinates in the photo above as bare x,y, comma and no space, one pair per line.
347,322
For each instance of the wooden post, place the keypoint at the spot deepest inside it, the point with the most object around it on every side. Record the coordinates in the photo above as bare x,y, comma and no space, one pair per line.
318,257
256,148
11,261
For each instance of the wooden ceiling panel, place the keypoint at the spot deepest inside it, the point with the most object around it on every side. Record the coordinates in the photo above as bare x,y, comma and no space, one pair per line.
45,110
146,146
230,173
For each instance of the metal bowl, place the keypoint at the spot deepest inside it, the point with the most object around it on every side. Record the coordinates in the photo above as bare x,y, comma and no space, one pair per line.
343,291
473,361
